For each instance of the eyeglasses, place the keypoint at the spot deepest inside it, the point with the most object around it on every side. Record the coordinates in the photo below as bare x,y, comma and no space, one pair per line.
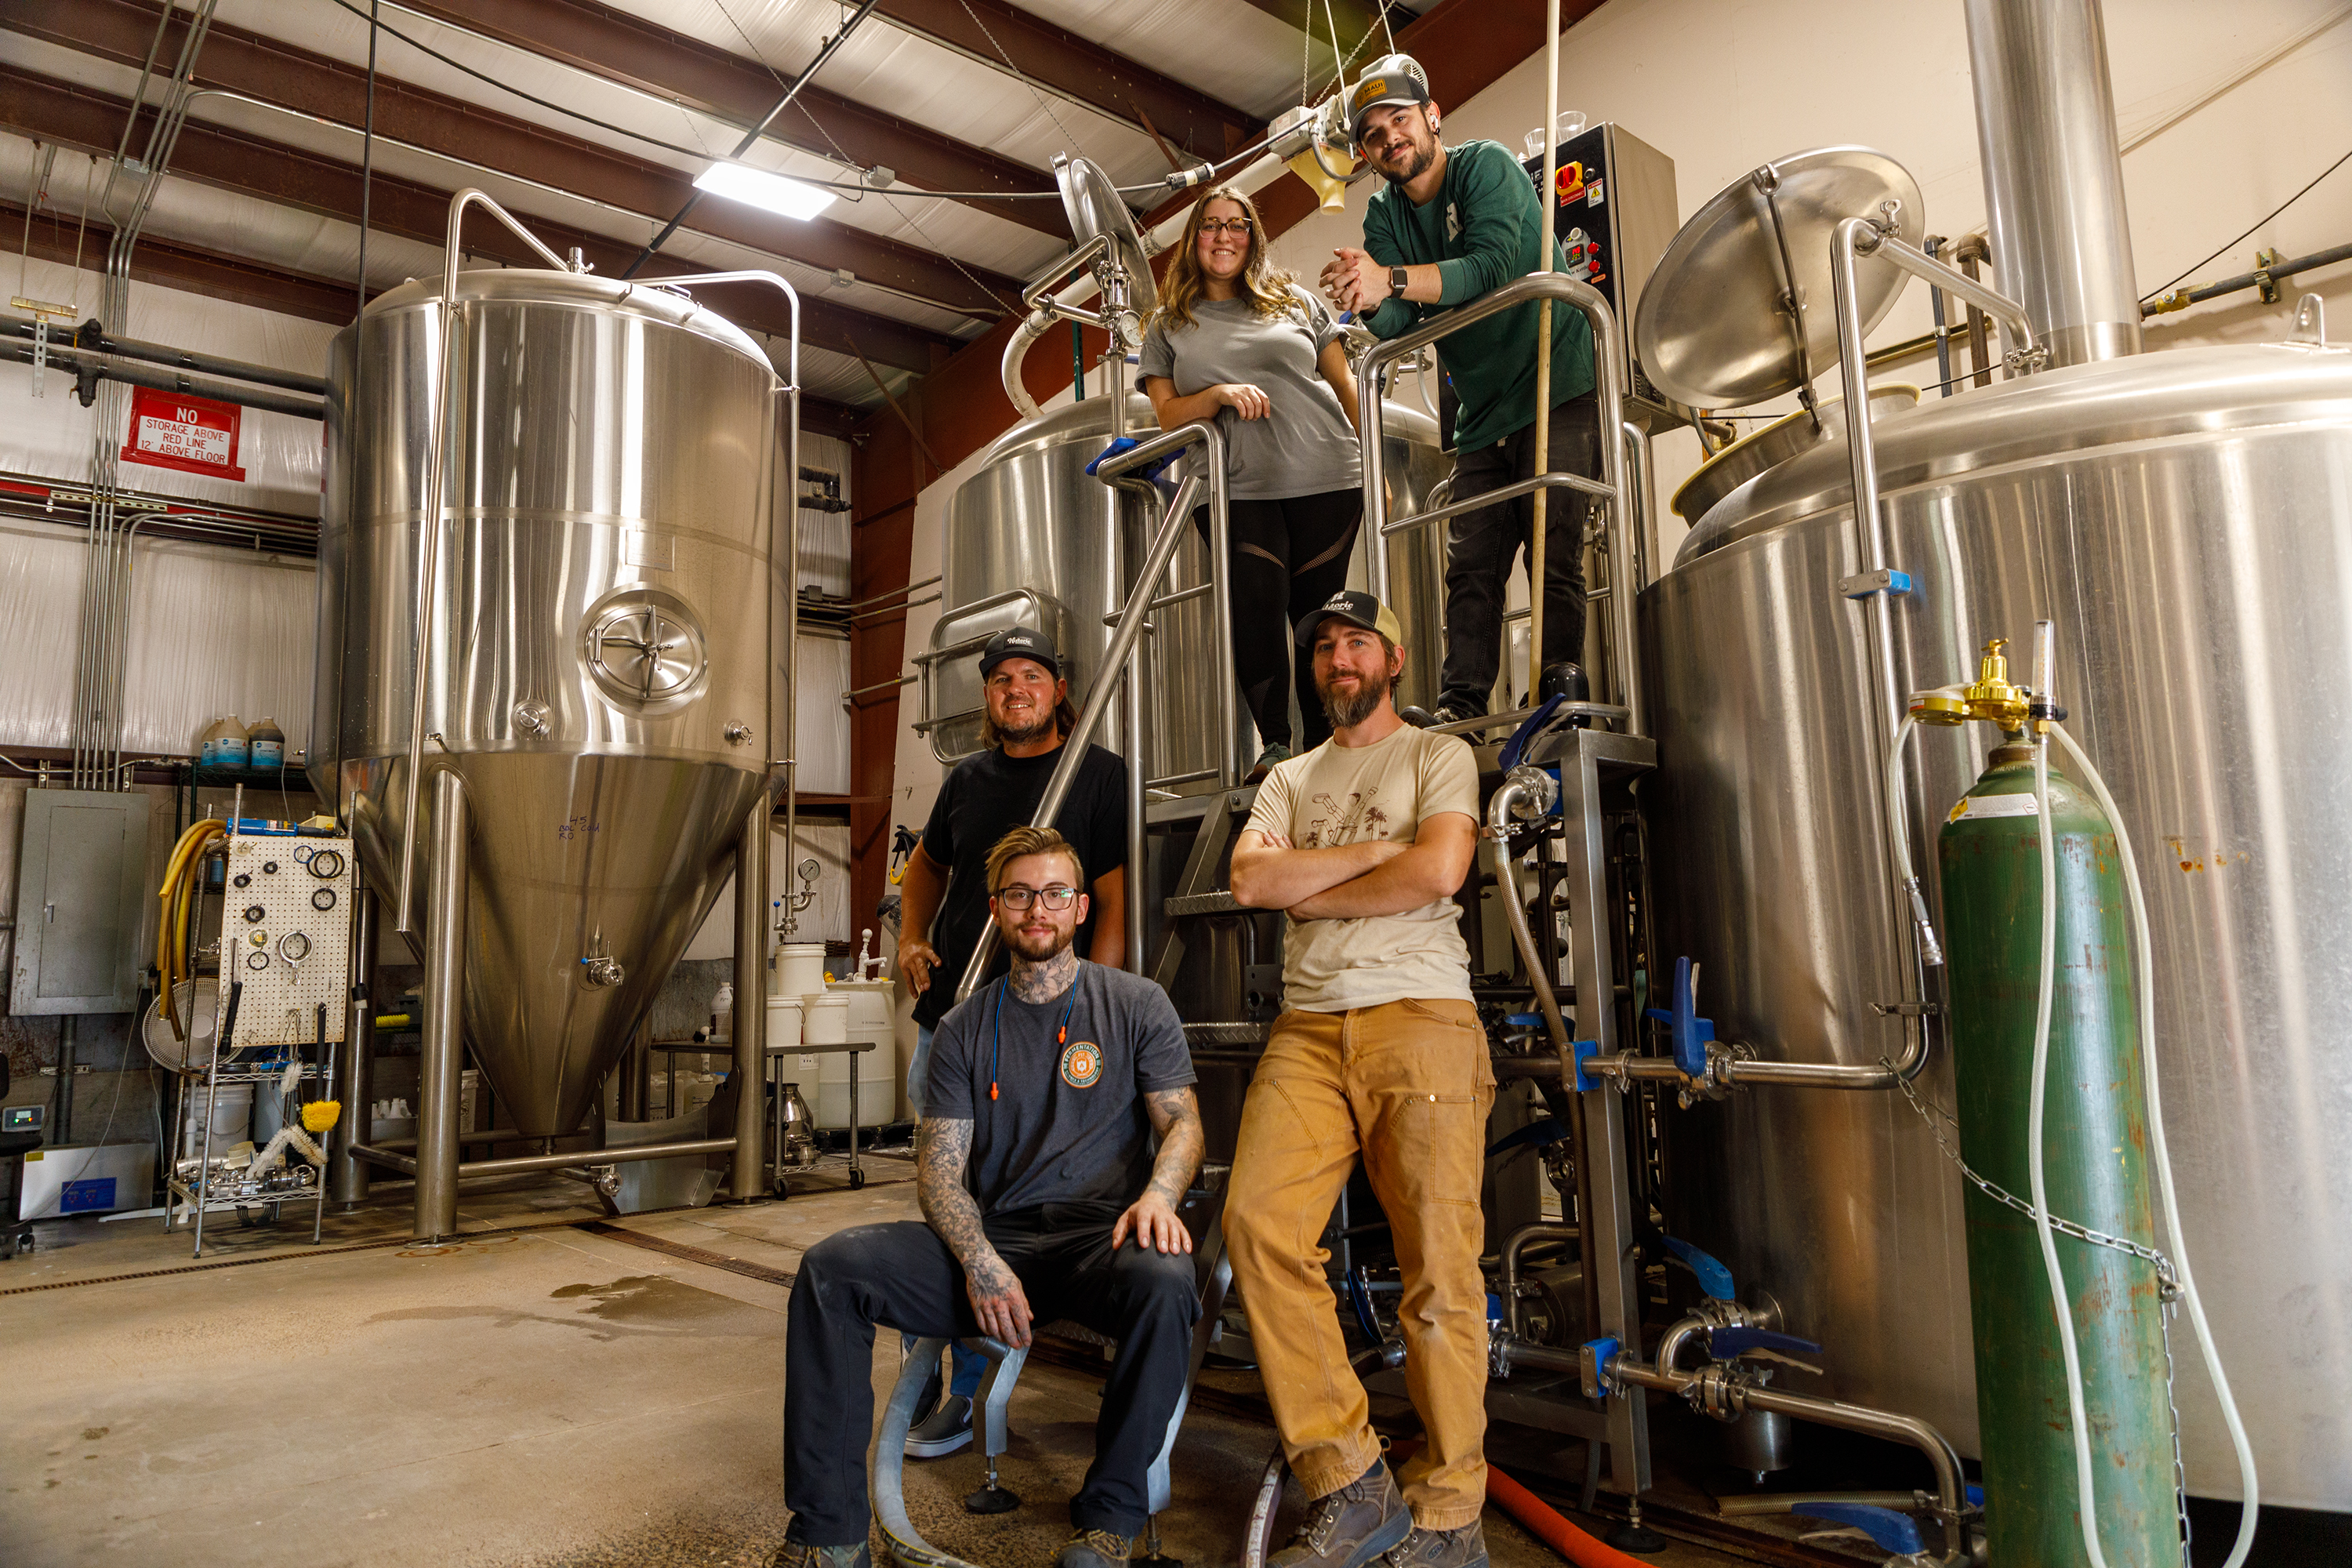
1057,897
1225,225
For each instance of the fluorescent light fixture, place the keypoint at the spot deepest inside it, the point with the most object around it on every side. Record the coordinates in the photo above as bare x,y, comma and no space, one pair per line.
777,194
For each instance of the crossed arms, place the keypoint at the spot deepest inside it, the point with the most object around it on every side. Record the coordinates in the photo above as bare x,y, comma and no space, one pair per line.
1349,881
943,1148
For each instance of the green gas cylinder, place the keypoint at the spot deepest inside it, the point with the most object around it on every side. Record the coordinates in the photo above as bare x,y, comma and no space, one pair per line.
2094,1141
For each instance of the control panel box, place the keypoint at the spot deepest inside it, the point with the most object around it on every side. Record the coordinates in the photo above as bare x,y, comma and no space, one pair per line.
286,934
81,901
1613,208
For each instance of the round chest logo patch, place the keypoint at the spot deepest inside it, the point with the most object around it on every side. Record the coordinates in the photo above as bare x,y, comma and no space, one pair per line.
1082,1064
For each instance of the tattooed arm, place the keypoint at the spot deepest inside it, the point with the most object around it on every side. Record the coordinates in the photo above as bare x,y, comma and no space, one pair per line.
1176,1119
941,1148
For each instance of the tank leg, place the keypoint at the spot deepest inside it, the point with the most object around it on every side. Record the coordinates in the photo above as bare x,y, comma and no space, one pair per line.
444,1027
750,1021
347,1177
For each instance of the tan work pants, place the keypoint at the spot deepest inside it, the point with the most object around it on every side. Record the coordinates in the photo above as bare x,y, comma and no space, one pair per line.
1406,1086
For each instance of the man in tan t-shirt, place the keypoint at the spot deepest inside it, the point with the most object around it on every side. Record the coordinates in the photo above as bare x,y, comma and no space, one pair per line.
1364,842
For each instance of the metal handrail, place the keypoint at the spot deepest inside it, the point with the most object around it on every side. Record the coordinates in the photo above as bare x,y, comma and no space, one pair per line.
1171,533
1496,498
1609,377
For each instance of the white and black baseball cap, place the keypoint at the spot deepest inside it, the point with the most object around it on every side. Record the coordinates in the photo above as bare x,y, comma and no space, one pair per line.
1019,642
1356,608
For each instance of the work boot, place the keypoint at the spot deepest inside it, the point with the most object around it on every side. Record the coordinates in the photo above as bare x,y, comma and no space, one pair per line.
1462,1548
944,1431
801,1554
1274,752
1095,1549
1351,1526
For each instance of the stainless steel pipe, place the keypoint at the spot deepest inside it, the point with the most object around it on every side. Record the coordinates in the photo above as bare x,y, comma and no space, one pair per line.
750,1018
521,1164
347,1176
444,1053
2052,173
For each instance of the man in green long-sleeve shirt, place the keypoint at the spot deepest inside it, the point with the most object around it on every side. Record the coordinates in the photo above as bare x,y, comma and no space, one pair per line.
1456,222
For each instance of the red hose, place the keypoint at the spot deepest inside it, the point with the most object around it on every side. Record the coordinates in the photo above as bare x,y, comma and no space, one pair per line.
1541,1519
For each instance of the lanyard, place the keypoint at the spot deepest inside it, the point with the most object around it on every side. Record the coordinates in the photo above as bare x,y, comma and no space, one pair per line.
1061,1035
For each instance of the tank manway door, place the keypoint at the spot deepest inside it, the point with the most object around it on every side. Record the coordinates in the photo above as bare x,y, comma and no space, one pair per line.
645,650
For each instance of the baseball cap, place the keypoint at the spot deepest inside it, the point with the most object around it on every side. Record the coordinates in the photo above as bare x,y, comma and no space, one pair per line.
1390,80
1356,608
1019,642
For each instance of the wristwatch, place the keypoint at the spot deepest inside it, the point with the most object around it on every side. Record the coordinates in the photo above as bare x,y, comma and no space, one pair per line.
1396,281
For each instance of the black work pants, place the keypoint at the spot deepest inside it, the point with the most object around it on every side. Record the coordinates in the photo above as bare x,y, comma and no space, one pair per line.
1289,556
1483,545
903,1277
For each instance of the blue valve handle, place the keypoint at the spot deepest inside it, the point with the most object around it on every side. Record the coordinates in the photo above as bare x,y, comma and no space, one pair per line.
1127,444
1539,1134
1713,1277
1725,1344
1691,1033
1892,1531
1516,747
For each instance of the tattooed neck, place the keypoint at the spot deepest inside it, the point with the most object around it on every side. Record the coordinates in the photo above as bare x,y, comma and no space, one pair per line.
1044,981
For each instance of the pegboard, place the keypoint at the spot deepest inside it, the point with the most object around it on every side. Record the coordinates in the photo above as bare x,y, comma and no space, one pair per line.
303,920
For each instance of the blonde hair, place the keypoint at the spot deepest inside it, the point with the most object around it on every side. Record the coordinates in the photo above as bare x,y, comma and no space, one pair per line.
1267,288
1026,841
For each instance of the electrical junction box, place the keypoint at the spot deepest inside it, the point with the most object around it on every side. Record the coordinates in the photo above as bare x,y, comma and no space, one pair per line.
81,901
87,1178
286,935
1613,209
22,1118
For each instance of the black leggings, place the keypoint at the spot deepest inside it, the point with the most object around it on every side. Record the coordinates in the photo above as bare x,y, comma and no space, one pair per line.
1289,556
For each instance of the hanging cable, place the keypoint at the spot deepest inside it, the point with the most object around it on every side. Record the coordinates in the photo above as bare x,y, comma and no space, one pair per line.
2251,227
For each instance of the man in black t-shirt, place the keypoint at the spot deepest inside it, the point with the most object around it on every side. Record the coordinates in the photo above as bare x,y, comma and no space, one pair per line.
1040,1184
944,889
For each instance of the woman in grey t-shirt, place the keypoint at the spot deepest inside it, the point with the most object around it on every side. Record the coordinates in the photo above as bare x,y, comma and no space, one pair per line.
1239,343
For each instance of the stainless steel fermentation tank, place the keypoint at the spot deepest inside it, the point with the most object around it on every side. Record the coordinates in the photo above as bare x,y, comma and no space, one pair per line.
2186,517
1033,540
603,638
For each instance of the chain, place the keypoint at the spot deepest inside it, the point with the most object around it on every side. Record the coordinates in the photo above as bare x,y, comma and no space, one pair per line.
1044,101
2168,1281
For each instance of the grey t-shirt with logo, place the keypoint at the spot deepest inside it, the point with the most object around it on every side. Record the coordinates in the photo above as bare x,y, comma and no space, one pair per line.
1304,445
1068,1123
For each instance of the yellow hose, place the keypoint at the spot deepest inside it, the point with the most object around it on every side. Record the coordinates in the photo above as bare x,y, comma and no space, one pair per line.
171,921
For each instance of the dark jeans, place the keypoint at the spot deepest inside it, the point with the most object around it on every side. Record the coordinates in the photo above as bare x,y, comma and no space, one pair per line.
1483,545
902,1276
1289,556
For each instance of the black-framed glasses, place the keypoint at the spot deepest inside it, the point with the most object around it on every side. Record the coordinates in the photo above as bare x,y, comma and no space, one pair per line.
1225,225
1057,897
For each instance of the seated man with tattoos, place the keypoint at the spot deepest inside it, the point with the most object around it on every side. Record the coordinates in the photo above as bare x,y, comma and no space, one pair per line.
1045,1200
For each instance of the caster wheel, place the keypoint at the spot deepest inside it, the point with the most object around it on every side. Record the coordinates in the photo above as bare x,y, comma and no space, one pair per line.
856,1180
783,1189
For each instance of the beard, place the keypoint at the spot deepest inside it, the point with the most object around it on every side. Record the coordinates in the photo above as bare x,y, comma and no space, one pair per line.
1040,724
1424,154
1347,712
1037,947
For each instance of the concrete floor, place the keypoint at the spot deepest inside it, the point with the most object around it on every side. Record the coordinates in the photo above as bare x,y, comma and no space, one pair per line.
538,1393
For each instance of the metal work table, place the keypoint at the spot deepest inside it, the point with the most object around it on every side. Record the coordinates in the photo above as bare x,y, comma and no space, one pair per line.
726,1049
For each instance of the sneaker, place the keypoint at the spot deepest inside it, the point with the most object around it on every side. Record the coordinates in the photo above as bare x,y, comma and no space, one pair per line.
1453,716
1276,752
944,1431
1419,718
1095,1549
1351,1526
801,1554
1462,1548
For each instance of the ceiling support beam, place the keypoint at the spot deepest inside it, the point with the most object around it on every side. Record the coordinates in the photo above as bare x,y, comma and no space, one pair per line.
118,31
87,120
622,47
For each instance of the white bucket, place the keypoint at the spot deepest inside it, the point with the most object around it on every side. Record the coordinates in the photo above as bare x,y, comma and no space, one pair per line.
825,1020
799,969
783,1022
870,1016
231,1106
